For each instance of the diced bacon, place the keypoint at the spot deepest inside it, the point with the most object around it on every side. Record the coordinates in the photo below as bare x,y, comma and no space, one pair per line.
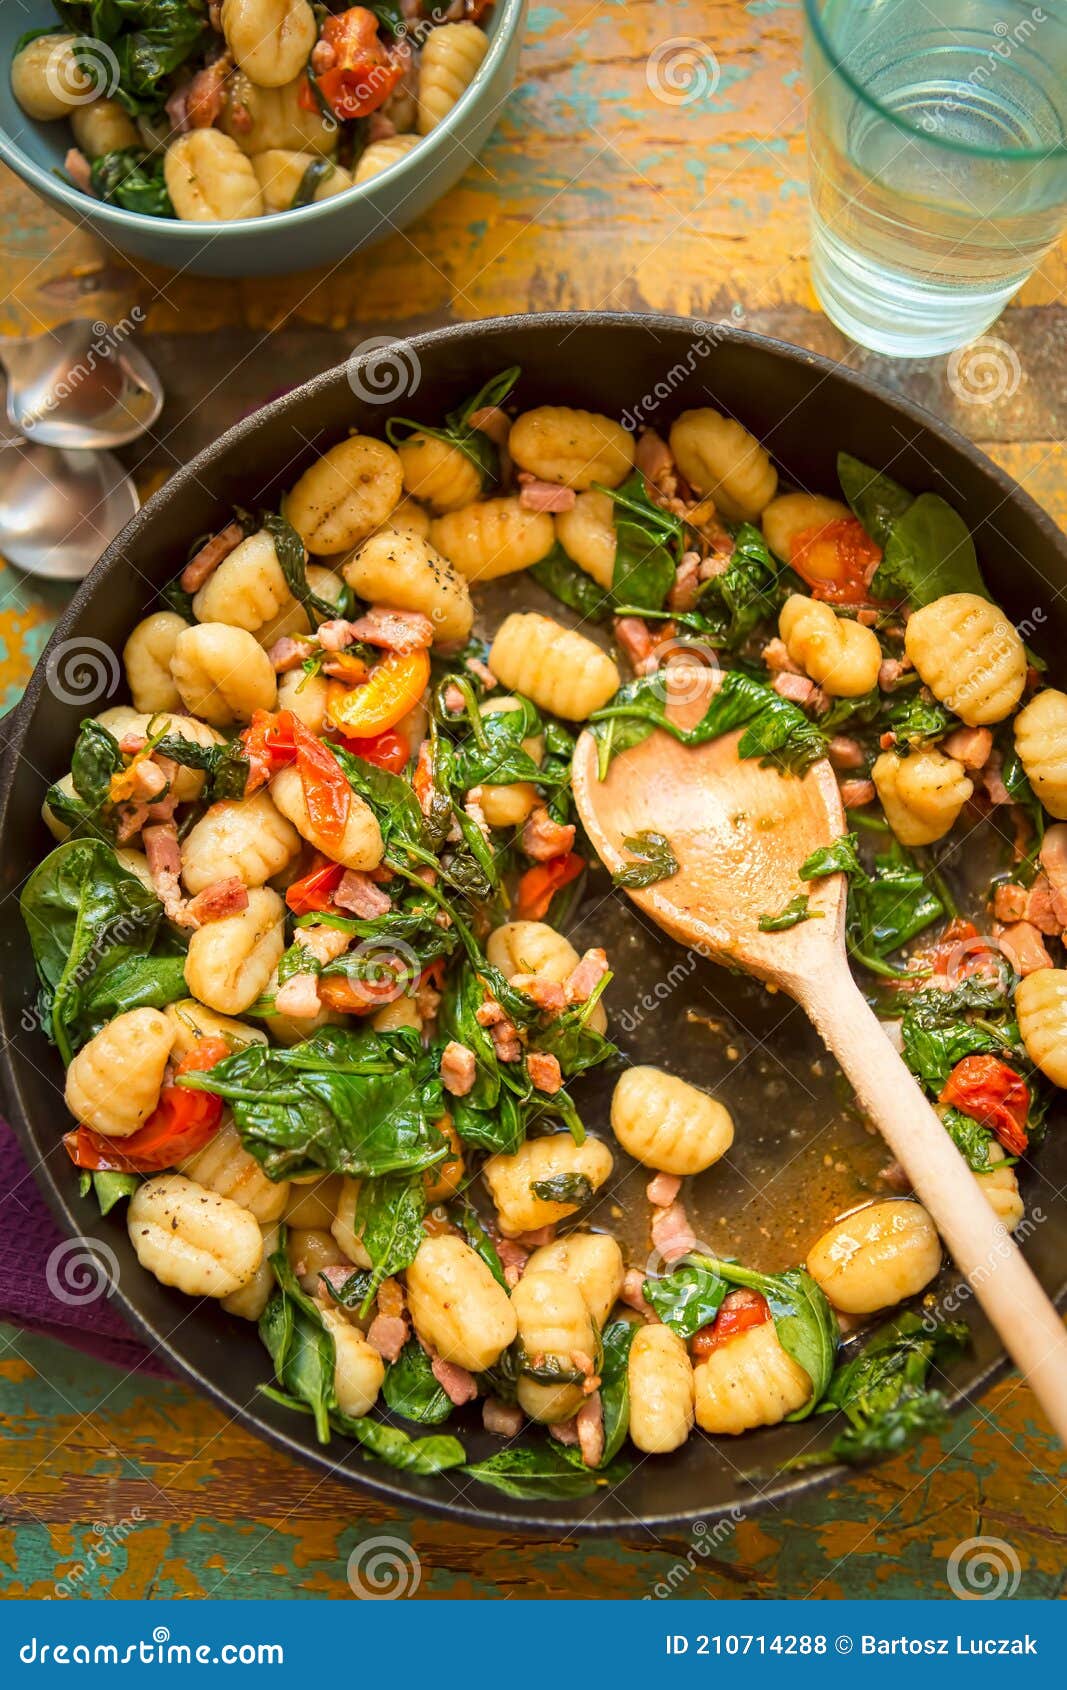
481,672
855,794
324,943
655,460
240,117
589,1424
895,1177
717,564
505,1037
1054,863
564,1432
663,1189
401,631
887,740
176,112
286,654
336,634
633,1294
545,1072
1009,901
454,699
387,1334
489,1014
458,1068
632,634
358,894
458,1385
1023,946
543,838
537,1237
537,495
204,562
490,420
299,996
547,994
79,170
502,1419
845,752
867,616
777,659
890,672
513,1259
993,781
583,980
472,807
672,1234
683,594
146,780
1040,909
220,899
165,866
130,744
323,57
379,127
969,746
427,1001
205,94
797,688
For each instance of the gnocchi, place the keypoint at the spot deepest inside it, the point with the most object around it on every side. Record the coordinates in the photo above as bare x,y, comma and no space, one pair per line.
969,655
493,537
922,795
345,495
746,1382
667,1124
209,179
559,669
511,1179
572,448
456,1305
271,40
451,59
361,844
229,962
533,947
792,516
382,155
358,1369
718,456
284,174
222,674
1041,741
114,1081
557,1345
590,1260
1041,1008
407,573
193,1239
880,1255
438,473
587,534
662,1390
225,1167
246,837
840,655
147,656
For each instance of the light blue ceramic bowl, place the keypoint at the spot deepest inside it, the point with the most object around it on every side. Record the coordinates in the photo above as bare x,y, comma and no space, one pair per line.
285,240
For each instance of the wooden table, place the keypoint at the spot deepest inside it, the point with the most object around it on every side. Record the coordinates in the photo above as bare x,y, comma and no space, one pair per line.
591,194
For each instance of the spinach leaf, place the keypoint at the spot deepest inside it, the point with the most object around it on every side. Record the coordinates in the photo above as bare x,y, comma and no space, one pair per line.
359,1103
498,1127
495,755
352,1292
572,1041
132,178
972,1140
929,552
302,1350
563,1188
882,1390
318,171
148,982
1022,793
839,858
465,1216
876,499
687,1298
745,594
656,861
389,1213
292,560
88,809
615,1386
804,1321
86,917
918,722
790,915
225,765
390,16
546,1473
936,1031
649,542
890,907
150,40
411,1390
427,1456
109,1188
392,799
561,577
458,430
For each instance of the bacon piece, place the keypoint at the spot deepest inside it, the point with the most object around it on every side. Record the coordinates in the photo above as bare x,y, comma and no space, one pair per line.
1054,862
544,495
1023,946
513,1259
855,794
632,634
890,672
358,894
130,744
545,1072
547,994
146,780
458,1068
685,591
867,616
299,996
589,1424
503,1419
481,672
633,1294
1009,901
472,807
777,659
565,1432
543,838
401,631
380,127
505,1037
969,746
1040,909
663,1189
491,421
205,95
993,781
536,1237
845,752
165,866
324,943
204,562
220,899
286,654
458,1385
797,688
175,109
654,458
389,1331
323,57
672,1234
454,699
583,980
79,169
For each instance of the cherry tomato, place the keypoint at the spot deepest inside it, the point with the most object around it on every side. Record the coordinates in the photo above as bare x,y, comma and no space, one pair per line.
993,1094
837,560
275,740
182,1123
364,72
315,890
388,750
539,885
740,1312
394,687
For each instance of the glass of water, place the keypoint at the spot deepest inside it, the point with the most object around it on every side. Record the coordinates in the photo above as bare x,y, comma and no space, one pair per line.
937,141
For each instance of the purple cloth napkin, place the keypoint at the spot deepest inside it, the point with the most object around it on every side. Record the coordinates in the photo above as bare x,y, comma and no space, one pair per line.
29,1239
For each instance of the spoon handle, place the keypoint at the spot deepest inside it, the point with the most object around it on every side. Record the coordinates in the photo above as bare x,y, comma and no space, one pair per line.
1030,1328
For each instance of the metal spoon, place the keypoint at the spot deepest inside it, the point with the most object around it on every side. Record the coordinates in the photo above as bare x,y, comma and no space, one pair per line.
82,385
58,509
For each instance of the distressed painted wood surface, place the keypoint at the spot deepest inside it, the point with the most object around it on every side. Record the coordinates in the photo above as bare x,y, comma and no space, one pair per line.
594,192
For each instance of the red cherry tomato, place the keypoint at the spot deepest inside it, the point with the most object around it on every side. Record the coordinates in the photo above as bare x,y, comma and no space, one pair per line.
314,892
837,560
388,750
993,1094
740,1312
539,885
182,1123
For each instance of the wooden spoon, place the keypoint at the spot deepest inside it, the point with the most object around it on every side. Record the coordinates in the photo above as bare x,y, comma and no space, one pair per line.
739,833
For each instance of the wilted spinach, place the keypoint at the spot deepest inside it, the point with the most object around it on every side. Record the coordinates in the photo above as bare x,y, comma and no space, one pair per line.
877,500
411,1390
790,915
929,552
804,1321
389,1214
747,592
649,542
458,430
656,861
883,1390
561,577
687,1298
132,178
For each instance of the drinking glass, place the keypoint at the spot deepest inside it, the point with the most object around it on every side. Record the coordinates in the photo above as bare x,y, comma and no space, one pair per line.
937,145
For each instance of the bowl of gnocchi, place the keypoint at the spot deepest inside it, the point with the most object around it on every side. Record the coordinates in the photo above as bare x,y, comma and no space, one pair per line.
250,137
410,1142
